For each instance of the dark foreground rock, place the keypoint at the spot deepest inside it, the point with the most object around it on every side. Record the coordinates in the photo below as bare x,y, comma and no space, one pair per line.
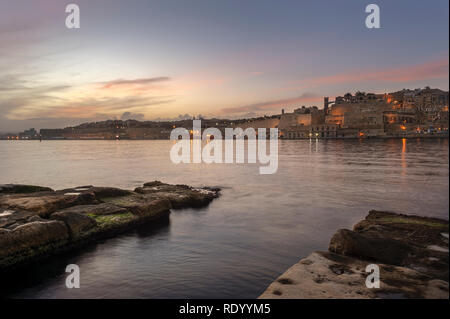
411,252
36,221
22,189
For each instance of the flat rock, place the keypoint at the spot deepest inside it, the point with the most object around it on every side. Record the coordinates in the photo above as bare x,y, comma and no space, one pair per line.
31,235
44,203
140,205
180,196
411,252
414,230
100,209
329,275
385,250
77,223
10,217
37,221
98,192
418,233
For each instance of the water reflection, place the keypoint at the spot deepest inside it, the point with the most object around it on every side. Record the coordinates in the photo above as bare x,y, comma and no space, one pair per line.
52,271
261,224
403,157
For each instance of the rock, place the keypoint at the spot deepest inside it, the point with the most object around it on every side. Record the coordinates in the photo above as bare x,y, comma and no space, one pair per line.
15,225
438,248
384,250
6,213
76,223
140,205
102,192
411,252
180,196
100,209
36,218
414,230
419,233
20,189
45,203
10,217
37,222
31,235
98,192
328,275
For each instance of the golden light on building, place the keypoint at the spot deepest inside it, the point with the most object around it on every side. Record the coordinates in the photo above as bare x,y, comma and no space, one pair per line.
403,127
389,99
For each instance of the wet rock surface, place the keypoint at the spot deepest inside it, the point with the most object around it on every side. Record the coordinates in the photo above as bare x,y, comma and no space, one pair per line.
37,221
180,196
404,247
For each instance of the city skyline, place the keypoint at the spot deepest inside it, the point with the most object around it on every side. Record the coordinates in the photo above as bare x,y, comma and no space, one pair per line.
159,60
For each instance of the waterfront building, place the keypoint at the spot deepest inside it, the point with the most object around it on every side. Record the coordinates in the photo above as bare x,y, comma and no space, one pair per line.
403,113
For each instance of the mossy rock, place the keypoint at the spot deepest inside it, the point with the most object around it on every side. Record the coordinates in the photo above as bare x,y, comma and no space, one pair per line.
108,221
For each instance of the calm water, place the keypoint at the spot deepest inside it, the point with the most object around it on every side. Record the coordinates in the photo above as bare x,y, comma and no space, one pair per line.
260,226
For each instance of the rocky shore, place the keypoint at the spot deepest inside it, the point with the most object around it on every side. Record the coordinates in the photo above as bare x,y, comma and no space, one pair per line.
36,222
411,252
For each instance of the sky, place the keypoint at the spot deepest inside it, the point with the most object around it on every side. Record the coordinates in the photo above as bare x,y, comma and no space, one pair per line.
165,59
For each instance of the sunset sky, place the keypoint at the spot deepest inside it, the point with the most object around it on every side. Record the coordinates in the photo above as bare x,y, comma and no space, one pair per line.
219,58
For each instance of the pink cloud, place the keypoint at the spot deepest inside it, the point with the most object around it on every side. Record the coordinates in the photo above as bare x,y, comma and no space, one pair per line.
429,70
129,83
274,104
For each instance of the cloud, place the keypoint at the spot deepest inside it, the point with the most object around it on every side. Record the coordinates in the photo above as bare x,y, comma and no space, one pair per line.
88,107
23,96
425,71
132,116
180,117
274,104
139,82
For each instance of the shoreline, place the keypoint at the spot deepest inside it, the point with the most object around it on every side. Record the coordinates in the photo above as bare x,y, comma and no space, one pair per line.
37,222
411,253
284,139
